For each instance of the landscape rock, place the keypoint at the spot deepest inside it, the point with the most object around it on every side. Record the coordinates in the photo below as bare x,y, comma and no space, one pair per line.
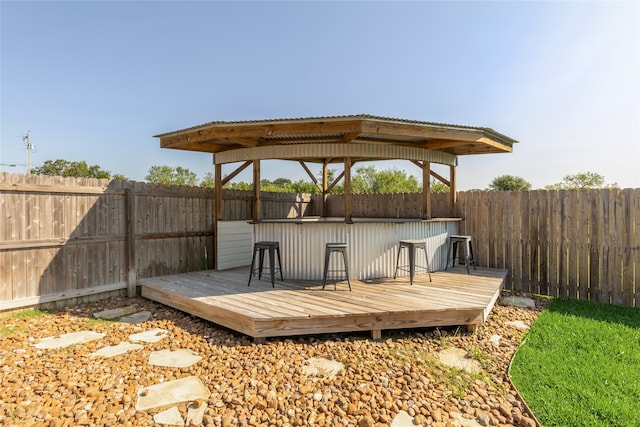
151,336
66,340
523,302
114,313
180,358
115,350
518,324
459,358
170,417
139,317
275,382
195,413
322,367
171,392
403,419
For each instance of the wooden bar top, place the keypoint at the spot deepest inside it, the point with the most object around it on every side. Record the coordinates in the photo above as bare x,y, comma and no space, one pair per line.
334,220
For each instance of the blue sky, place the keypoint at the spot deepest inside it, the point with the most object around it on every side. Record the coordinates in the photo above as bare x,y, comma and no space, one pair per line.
94,81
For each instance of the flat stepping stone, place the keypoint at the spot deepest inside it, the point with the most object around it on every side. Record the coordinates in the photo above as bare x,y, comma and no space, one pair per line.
403,419
322,367
170,417
459,420
115,350
457,358
66,340
519,324
114,313
195,413
141,316
171,393
495,339
153,335
181,358
520,302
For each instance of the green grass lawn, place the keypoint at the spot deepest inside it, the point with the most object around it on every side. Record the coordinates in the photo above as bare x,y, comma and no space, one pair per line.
580,365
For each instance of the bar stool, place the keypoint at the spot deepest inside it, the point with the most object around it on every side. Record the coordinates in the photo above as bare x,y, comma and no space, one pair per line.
338,248
412,245
454,241
274,249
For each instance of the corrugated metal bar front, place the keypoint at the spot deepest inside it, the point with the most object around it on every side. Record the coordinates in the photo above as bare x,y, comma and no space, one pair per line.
373,246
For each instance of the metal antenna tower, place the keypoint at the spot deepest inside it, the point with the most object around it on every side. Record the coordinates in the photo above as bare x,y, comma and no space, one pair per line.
30,147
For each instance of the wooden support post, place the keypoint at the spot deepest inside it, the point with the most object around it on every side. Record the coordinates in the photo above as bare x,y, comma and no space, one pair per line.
452,189
257,212
347,189
325,188
132,266
426,190
376,334
218,190
217,216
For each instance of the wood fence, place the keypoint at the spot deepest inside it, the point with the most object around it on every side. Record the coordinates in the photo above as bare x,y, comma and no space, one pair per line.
67,239
582,244
78,239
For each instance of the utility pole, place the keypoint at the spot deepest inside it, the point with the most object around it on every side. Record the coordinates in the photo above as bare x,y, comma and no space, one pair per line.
30,147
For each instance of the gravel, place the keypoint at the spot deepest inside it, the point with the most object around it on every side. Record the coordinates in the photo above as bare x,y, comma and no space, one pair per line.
260,384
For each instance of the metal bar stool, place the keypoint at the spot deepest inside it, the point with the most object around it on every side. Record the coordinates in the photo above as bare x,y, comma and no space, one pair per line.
339,248
412,245
274,249
454,241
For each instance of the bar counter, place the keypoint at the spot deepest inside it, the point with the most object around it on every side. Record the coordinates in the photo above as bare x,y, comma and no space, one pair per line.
373,243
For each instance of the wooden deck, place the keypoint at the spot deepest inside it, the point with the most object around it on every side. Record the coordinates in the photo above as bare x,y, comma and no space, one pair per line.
303,307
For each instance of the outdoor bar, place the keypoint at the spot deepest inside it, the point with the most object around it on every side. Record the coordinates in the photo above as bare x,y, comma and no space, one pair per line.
373,243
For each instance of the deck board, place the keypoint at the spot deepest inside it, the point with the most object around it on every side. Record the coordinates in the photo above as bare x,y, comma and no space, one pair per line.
303,307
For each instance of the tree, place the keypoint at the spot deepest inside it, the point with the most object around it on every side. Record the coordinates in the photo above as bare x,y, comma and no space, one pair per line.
438,187
208,181
368,180
70,169
167,175
581,181
509,183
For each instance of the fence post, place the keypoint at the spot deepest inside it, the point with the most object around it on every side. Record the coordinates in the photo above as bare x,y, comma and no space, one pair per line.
131,243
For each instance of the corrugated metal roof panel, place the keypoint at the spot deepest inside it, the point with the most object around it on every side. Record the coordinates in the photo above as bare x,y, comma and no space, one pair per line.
338,118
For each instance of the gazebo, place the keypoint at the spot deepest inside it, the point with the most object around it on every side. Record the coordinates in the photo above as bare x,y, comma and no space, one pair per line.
336,140
299,304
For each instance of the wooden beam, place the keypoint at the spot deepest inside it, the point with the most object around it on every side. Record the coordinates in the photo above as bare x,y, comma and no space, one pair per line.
349,137
205,146
440,178
347,189
313,178
235,173
257,213
420,131
432,173
426,190
452,190
336,181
